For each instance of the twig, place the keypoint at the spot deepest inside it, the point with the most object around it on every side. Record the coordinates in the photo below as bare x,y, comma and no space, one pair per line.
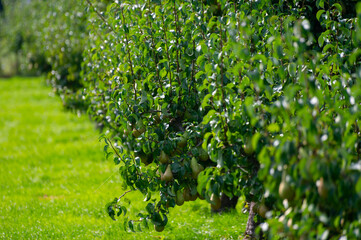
126,193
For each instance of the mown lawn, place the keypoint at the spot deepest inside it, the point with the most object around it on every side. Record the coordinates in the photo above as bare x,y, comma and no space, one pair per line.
55,181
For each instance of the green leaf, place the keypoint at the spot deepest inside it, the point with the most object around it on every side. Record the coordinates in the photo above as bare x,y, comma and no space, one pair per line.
319,14
328,47
358,187
320,3
163,73
210,115
131,226
338,6
255,138
273,128
292,68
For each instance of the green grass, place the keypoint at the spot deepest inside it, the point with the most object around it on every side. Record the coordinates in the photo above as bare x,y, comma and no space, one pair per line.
55,181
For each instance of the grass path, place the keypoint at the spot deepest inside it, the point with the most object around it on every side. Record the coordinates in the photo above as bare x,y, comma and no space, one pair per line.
55,182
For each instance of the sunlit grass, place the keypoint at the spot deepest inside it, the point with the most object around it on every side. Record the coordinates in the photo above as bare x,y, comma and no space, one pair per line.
55,181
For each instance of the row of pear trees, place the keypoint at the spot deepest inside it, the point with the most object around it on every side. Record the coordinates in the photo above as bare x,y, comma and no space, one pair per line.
260,99
47,37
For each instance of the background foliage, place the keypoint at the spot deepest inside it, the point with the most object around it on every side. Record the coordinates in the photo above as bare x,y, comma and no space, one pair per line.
47,37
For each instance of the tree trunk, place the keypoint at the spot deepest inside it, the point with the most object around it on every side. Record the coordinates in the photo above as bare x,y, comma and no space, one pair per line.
251,225
17,63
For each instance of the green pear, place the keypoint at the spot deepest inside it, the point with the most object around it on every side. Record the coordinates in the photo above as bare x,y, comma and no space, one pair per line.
182,142
167,175
137,132
248,149
186,194
203,155
285,190
195,168
262,210
163,157
216,202
179,198
158,228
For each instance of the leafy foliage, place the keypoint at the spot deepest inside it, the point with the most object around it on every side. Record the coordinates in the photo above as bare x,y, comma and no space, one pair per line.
19,37
48,37
248,91
200,99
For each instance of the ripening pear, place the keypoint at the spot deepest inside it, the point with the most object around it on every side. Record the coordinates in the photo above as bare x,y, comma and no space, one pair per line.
248,149
203,155
262,210
163,158
137,132
216,202
285,190
167,175
186,194
179,198
196,168
182,142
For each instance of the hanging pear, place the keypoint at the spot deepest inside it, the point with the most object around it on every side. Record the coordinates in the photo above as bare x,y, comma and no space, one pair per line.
216,202
186,194
163,157
196,168
167,175
285,190
179,198
203,155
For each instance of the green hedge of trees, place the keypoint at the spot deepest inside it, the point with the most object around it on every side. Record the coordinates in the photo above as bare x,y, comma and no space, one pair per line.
48,37
240,98
204,99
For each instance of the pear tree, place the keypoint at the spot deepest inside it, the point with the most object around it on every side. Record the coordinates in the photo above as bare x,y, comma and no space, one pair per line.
206,99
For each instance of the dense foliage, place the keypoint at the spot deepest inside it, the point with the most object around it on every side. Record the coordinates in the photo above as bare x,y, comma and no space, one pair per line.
242,98
64,38
47,37
19,39
203,99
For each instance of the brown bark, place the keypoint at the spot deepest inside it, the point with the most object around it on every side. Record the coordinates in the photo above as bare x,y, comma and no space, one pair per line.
251,225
